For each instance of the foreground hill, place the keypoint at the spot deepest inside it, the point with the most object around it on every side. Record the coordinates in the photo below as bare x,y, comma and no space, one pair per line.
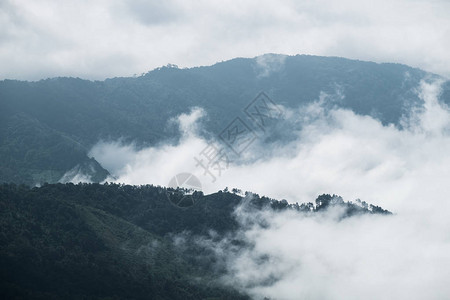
113,241
47,127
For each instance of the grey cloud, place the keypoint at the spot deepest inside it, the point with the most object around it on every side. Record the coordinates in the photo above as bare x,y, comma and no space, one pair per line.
61,38
269,63
151,12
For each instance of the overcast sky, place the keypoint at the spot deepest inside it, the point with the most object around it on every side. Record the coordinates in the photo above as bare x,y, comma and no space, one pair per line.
96,39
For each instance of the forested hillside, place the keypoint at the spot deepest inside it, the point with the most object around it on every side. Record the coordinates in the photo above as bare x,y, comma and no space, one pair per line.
117,241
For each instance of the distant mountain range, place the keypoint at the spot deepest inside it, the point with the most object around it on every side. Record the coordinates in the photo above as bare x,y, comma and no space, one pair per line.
47,127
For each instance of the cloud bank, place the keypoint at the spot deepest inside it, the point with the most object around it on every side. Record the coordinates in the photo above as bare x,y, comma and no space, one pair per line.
98,39
294,256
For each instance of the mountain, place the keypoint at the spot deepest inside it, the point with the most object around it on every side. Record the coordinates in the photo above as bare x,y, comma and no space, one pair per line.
47,127
93,241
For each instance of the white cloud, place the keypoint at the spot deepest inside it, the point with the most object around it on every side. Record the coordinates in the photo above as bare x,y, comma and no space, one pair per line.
335,151
269,63
156,165
76,175
317,257
98,39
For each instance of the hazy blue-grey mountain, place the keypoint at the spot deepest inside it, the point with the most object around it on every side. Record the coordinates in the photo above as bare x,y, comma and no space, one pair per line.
47,127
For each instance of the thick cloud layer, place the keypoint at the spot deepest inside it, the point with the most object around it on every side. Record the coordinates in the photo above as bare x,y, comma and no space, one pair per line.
334,151
405,256
103,38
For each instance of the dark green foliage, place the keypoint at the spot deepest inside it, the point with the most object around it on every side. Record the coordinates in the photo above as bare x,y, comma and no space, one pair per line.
55,243
95,241
33,153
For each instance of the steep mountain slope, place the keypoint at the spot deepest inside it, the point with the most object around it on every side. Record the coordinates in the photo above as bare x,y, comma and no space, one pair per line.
48,126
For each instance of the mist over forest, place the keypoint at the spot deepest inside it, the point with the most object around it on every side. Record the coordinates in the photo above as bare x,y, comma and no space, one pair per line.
195,150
